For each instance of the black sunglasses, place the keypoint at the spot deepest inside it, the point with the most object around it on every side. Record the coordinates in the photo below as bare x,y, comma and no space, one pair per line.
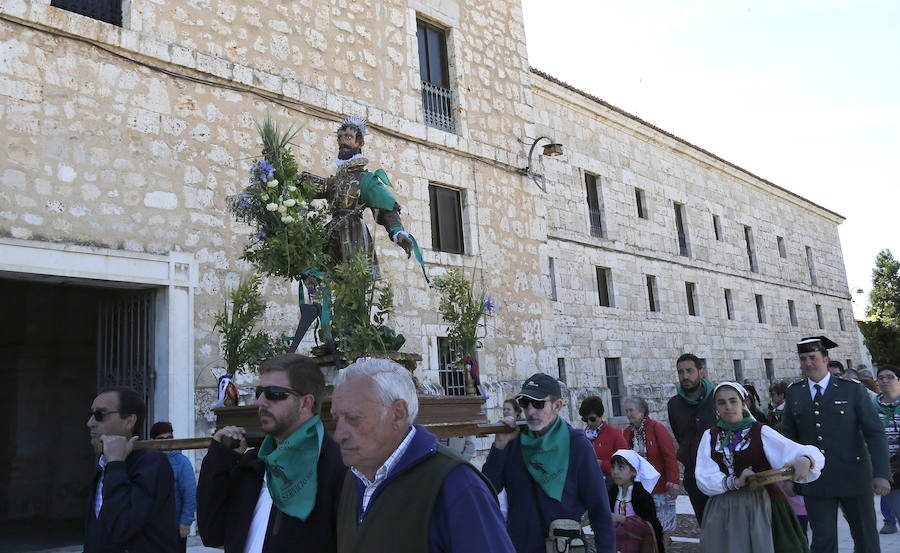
275,393
99,414
538,404
592,418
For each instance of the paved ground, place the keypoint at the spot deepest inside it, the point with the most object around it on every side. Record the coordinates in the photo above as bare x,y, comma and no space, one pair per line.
685,539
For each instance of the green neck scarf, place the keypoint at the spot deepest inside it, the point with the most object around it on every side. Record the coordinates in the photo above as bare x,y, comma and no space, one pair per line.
731,429
704,394
291,468
886,411
776,412
547,457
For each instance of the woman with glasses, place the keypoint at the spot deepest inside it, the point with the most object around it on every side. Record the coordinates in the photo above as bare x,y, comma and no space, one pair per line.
652,441
887,403
605,438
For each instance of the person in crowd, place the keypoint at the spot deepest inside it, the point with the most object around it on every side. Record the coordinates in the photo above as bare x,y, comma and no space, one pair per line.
404,491
132,506
836,416
549,471
836,368
633,509
285,493
887,403
511,409
867,380
605,437
738,446
754,401
185,484
652,442
776,404
691,411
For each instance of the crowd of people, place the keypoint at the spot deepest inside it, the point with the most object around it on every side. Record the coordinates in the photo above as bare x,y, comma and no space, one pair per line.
381,482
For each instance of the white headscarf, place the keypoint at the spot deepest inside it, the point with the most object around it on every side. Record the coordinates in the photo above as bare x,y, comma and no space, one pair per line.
646,474
737,387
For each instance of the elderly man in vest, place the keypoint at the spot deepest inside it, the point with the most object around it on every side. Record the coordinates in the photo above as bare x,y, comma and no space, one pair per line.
405,492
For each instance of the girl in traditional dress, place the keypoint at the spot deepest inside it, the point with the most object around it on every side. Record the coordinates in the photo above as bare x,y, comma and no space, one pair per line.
759,519
633,511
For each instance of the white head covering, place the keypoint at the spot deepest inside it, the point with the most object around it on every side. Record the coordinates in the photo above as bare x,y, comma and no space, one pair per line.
646,474
737,387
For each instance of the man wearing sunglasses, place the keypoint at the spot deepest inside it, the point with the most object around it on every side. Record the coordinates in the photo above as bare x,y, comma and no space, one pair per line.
549,471
132,504
282,496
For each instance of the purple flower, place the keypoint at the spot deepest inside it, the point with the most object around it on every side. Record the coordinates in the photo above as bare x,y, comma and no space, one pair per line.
246,200
262,235
489,306
263,170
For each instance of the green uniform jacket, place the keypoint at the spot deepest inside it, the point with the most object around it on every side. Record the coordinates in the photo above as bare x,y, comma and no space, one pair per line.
841,425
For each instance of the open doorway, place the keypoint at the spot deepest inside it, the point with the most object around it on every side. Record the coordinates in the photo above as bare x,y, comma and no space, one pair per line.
61,340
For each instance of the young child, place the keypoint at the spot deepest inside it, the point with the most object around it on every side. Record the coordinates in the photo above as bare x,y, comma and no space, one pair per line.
633,511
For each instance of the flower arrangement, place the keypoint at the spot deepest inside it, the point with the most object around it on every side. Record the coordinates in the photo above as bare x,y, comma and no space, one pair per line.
288,222
243,349
462,310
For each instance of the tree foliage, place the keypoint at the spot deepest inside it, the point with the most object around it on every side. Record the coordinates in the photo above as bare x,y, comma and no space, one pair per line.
881,329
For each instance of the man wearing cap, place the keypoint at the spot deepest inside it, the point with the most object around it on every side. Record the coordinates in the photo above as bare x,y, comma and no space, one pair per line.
836,415
549,471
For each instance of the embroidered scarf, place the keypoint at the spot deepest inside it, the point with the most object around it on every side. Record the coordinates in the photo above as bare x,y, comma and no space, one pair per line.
728,438
704,394
547,457
291,468
640,437
887,410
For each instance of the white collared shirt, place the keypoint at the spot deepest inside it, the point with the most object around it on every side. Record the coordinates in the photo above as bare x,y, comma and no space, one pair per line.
259,524
98,498
822,383
382,473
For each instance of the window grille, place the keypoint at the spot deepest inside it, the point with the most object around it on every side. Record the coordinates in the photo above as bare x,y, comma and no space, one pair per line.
453,379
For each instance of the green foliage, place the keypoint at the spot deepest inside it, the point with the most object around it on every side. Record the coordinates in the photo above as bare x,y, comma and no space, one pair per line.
884,299
462,310
243,349
288,222
882,341
881,329
362,306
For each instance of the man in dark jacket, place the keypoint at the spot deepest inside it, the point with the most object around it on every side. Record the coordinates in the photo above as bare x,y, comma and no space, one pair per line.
132,503
691,412
836,415
404,492
282,496
549,471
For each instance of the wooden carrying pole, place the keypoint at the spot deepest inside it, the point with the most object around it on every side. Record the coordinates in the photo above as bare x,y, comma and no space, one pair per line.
254,439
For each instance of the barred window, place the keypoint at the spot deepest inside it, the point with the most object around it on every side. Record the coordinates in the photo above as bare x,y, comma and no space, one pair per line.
453,379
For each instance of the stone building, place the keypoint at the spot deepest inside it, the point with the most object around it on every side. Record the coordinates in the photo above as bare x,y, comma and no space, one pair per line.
127,128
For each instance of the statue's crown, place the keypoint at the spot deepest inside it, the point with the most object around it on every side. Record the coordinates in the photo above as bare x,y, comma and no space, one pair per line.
354,121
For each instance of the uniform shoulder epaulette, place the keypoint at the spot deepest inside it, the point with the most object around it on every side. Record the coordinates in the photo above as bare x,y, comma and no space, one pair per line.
845,379
794,383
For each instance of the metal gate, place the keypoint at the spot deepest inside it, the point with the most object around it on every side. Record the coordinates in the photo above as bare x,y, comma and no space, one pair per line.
125,345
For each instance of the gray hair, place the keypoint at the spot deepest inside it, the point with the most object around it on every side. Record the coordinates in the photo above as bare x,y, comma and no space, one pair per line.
640,402
392,382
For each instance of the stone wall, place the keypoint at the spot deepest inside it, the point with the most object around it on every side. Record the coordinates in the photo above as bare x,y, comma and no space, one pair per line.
625,154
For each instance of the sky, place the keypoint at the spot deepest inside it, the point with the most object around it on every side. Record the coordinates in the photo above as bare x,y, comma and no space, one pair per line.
805,94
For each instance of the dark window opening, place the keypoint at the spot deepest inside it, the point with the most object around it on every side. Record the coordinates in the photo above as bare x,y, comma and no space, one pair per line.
680,229
841,319
690,290
453,379
717,229
819,317
614,382
751,250
770,370
812,267
561,368
738,371
595,204
729,306
446,219
760,310
652,295
639,201
792,312
552,280
604,286
781,251
108,11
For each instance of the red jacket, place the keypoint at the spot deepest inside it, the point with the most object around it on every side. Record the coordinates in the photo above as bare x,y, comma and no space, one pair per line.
660,452
608,441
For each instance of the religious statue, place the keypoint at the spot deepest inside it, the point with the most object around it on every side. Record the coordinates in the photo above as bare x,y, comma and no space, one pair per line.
350,191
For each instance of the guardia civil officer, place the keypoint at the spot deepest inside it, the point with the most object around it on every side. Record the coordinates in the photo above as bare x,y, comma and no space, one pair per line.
836,415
